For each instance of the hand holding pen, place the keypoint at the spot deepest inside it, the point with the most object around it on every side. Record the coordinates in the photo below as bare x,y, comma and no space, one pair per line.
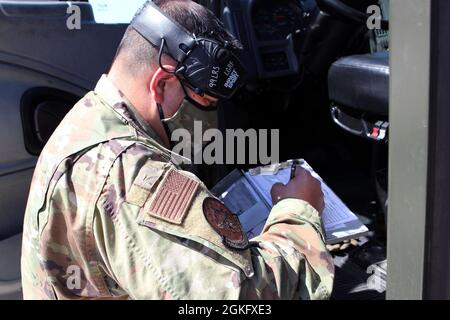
302,186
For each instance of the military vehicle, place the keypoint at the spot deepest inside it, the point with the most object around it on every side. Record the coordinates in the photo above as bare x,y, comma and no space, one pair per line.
319,71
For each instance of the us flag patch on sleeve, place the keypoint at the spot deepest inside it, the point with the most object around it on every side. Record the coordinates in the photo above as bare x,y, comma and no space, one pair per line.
173,197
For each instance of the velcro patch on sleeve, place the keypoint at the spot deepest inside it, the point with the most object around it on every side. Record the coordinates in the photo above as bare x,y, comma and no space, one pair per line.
173,197
147,177
225,223
145,183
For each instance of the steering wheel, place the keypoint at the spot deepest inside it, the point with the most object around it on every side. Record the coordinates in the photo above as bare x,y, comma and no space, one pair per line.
340,9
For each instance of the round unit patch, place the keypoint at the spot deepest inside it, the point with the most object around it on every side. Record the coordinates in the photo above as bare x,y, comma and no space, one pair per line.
225,223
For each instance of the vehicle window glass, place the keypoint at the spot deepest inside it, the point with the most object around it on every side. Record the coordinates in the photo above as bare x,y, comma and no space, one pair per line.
115,11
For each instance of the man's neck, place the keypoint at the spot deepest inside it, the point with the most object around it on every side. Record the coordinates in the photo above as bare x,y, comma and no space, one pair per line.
137,93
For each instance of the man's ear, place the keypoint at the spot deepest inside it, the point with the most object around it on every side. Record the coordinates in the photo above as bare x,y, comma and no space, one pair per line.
158,83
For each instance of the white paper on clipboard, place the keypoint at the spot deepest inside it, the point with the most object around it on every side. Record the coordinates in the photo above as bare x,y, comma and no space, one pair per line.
249,197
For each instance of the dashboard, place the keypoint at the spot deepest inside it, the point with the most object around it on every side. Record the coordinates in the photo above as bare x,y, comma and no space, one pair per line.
271,31
275,20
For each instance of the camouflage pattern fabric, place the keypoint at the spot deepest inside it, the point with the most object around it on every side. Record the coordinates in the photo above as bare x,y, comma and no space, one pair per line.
97,225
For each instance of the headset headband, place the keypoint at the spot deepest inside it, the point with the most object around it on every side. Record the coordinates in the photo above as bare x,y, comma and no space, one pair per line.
155,26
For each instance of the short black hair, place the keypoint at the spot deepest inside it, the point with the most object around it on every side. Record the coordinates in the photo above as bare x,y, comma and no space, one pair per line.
139,55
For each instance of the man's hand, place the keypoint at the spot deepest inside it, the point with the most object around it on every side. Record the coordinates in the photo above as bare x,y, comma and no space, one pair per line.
303,187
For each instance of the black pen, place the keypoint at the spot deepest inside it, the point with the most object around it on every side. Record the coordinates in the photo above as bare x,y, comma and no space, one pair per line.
293,169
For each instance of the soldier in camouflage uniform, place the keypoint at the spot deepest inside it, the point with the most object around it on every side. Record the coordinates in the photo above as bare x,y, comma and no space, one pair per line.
110,216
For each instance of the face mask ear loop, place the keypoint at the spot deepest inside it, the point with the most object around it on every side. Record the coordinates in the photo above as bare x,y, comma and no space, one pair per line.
166,127
160,111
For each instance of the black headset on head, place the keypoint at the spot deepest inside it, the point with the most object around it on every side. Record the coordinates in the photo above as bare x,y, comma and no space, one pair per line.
205,65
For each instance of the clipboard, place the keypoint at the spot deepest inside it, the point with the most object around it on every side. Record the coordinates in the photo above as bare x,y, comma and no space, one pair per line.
247,194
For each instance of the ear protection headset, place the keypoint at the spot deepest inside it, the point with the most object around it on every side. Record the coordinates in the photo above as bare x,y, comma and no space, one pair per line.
205,65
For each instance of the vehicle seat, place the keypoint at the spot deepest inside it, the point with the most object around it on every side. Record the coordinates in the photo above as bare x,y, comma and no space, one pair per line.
358,88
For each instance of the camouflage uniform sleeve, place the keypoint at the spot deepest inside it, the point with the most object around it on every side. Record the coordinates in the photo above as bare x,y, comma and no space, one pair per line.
290,257
149,257
125,249
144,257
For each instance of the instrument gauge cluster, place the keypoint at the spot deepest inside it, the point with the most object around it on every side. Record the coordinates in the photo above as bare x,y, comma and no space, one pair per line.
275,20
272,33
